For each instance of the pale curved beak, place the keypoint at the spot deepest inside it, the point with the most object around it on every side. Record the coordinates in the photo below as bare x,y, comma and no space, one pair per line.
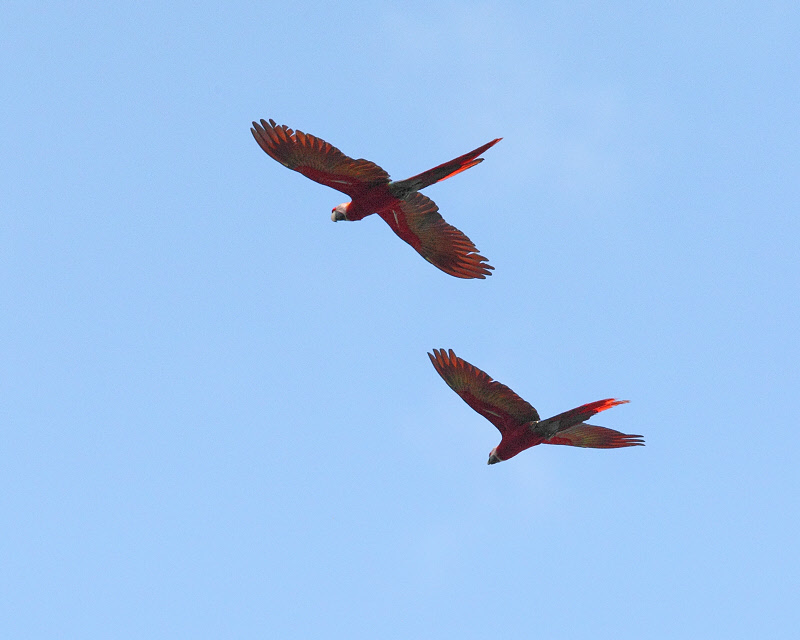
493,459
337,216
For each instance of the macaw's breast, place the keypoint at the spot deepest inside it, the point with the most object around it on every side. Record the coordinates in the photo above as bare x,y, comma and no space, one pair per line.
375,200
516,441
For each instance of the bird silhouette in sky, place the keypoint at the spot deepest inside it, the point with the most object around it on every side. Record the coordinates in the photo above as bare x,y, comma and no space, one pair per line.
518,422
411,215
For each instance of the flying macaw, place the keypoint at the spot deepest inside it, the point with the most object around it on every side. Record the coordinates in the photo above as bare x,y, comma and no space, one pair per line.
518,422
411,215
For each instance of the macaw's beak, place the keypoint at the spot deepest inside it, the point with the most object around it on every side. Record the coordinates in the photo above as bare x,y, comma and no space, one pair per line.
337,216
494,459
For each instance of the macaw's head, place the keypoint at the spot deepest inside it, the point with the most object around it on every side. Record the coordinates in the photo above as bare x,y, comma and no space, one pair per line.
340,212
493,457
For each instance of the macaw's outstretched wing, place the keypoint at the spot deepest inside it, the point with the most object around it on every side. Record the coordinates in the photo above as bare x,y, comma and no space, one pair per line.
588,435
317,159
493,400
417,221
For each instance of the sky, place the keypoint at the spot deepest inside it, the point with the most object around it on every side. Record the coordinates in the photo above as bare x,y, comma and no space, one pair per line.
217,415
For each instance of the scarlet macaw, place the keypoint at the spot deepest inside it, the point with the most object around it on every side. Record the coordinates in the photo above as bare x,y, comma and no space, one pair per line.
518,422
411,215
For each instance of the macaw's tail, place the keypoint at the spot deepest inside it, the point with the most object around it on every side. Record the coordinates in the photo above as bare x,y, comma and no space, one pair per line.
403,188
584,412
574,432
594,437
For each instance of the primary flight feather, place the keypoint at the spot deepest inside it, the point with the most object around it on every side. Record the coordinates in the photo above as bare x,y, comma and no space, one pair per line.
411,215
518,422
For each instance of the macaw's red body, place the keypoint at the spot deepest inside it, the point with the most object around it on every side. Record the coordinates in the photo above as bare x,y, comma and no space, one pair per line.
518,422
411,215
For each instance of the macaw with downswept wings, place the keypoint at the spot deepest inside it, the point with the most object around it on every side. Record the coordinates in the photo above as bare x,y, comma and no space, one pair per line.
518,422
412,216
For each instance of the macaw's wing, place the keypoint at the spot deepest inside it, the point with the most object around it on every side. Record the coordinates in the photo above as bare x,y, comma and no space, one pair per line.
417,221
317,159
588,435
493,400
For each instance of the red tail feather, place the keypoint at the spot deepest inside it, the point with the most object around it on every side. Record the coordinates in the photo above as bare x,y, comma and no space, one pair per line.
584,412
594,437
442,171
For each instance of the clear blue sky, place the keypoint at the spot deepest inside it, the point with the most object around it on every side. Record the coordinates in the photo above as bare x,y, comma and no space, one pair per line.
218,416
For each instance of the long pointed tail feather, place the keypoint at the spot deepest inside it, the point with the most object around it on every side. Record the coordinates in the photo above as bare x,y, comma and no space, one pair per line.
441,172
574,431
594,437
584,412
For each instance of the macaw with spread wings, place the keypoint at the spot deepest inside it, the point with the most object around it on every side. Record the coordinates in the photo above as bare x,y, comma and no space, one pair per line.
518,422
411,215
